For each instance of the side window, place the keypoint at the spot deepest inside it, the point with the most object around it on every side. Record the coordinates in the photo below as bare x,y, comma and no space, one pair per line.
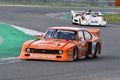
87,35
80,33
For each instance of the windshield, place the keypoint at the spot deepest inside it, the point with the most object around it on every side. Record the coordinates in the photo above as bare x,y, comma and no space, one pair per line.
61,34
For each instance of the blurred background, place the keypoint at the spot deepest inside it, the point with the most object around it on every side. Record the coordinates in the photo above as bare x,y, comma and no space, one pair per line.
66,2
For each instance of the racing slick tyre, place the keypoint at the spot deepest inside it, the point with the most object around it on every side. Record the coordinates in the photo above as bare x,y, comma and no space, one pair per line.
75,54
103,26
97,50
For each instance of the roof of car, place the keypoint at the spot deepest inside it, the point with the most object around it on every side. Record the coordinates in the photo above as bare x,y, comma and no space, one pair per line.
68,28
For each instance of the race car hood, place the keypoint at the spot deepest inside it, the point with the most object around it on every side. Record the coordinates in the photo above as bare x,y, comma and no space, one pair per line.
49,44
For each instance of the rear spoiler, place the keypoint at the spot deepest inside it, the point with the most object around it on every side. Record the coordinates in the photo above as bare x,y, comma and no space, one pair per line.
94,31
74,12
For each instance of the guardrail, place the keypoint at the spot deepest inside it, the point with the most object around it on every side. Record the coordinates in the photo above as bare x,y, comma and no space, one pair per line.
67,2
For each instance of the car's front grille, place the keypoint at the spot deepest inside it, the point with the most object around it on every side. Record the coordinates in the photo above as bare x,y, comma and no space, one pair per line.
32,50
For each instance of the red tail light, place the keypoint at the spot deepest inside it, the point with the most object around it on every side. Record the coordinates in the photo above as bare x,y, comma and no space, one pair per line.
103,18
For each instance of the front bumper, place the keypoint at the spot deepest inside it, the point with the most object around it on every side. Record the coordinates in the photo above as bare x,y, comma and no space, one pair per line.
40,56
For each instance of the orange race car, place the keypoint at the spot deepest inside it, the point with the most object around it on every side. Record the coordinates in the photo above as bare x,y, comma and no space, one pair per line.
64,44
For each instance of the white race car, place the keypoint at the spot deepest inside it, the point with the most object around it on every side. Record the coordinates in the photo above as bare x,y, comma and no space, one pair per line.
88,18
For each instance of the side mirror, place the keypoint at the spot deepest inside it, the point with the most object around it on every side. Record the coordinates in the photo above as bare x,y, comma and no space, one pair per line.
80,38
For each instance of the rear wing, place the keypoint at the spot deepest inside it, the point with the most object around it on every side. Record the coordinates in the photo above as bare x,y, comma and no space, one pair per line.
96,13
94,31
75,13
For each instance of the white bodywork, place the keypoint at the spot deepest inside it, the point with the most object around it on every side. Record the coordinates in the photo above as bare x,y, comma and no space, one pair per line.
88,18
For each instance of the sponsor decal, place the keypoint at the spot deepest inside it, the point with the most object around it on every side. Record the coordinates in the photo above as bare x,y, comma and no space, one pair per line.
82,49
43,56
67,31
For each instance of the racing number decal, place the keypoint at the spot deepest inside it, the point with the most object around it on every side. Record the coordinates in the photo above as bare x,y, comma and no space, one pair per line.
83,48
94,21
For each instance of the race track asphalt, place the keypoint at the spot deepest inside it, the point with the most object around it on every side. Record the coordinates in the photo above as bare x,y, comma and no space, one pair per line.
105,67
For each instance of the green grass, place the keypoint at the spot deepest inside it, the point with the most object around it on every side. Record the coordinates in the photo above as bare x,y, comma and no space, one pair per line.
113,18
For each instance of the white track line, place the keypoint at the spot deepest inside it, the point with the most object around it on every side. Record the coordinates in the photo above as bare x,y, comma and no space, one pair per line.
27,31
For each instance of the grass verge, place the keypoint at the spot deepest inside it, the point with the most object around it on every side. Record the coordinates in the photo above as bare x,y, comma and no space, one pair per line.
113,18
11,40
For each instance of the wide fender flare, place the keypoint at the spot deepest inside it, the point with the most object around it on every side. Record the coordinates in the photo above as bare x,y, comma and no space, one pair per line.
27,42
69,46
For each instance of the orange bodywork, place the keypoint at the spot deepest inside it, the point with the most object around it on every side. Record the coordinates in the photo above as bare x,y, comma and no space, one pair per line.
60,49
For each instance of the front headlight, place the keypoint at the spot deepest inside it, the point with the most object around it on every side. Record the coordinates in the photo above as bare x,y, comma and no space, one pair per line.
60,51
30,50
27,49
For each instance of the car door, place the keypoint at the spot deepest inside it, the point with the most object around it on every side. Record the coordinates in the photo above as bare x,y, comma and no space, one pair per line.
84,42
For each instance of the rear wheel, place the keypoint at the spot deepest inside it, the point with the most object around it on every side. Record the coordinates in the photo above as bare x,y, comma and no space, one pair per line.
75,54
97,50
